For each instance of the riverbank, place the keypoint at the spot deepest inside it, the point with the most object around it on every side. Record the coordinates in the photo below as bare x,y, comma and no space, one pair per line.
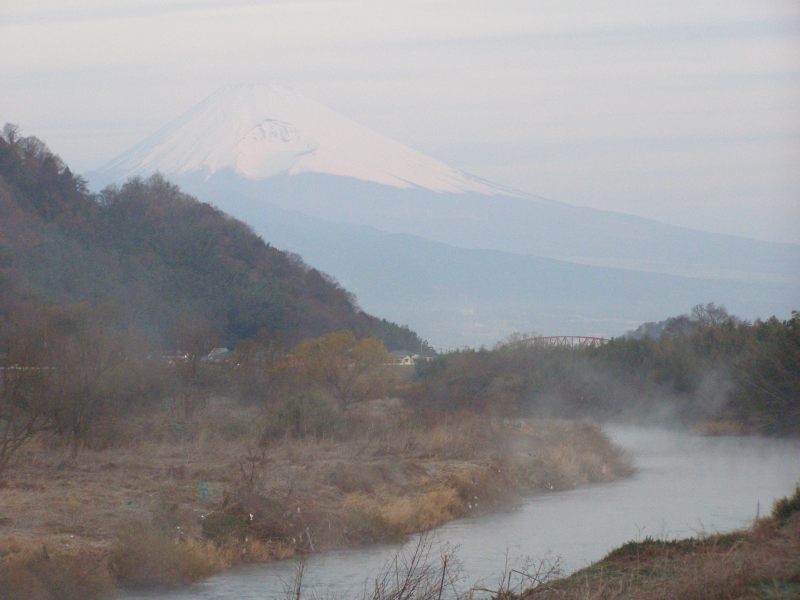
760,562
155,511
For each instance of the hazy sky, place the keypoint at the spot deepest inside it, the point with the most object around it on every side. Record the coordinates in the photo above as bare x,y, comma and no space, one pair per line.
684,111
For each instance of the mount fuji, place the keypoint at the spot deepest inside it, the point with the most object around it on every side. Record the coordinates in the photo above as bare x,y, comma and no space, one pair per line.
259,131
466,259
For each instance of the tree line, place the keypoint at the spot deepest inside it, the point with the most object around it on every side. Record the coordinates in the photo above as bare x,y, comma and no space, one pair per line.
71,375
703,367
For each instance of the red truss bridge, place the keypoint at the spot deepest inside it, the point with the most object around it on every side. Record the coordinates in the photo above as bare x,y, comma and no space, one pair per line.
564,341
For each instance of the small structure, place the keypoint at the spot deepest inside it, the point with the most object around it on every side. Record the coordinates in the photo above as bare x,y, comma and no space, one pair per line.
403,359
176,359
217,356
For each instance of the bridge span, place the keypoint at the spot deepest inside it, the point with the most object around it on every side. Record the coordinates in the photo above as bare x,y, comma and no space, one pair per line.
563,341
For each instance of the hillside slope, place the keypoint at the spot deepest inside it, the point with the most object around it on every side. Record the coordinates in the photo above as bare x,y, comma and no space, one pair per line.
159,256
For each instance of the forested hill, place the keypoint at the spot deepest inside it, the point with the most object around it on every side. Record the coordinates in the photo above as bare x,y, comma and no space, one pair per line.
157,258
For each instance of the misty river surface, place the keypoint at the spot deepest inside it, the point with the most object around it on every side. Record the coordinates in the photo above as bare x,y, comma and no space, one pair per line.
684,485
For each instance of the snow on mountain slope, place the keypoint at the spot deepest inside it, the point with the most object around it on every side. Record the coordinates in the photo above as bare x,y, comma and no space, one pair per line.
259,131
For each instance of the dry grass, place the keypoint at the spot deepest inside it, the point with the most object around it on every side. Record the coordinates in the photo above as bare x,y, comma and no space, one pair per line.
395,517
31,573
388,477
143,556
763,562
402,478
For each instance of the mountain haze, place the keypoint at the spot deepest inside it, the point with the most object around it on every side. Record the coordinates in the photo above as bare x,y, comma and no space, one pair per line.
265,152
463,296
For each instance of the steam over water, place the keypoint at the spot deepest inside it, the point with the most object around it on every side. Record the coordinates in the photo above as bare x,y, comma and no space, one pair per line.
685,485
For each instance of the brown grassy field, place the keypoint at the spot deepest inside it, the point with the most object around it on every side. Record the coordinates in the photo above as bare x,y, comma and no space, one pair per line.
174,500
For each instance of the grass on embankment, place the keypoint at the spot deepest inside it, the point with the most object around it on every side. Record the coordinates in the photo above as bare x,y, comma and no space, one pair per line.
760,562
133,515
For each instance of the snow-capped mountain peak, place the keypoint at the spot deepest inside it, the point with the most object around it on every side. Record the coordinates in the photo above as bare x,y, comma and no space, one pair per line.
259,131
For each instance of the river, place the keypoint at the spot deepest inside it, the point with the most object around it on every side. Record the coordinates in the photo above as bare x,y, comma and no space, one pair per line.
684,485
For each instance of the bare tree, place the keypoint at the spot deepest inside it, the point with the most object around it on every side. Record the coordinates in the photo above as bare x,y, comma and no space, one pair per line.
83,350
422,573
711,315
429,572
25,403
11,133
195,338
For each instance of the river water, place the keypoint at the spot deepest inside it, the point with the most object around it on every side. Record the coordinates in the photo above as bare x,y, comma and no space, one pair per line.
684,485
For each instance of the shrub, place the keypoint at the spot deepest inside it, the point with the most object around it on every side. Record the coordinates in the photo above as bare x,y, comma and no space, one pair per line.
236,429
16,581
304,414
380,519
63,577
786,507
221,525
370,520
144,556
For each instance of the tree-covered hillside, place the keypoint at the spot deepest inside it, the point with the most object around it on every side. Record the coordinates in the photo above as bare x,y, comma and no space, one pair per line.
164,261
